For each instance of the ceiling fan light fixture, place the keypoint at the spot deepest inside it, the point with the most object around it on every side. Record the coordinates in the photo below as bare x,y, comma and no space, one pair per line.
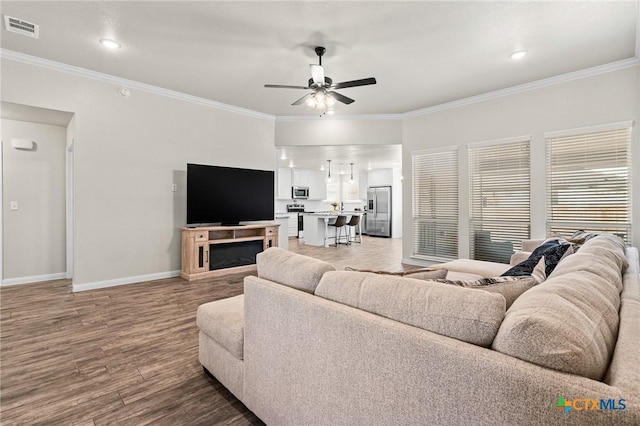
323,95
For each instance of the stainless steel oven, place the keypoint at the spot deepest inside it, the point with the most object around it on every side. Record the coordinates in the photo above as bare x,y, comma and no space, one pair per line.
299,209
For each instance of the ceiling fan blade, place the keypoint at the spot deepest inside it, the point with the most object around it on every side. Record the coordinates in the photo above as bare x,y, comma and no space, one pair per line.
354,83
302,99
342,98
281,86
317,73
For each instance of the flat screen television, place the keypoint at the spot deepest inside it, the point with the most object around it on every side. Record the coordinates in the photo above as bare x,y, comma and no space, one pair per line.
228,195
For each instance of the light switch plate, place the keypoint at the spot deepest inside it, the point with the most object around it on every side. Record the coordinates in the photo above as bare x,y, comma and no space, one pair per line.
13,205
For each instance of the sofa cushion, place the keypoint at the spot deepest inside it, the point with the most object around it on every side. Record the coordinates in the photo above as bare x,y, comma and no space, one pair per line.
223,321
510,287
418,274
478,267
570,322
461,313
291,269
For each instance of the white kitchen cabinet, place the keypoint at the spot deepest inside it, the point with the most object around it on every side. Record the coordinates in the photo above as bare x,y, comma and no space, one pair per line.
300,177
284,184
380,177
363,184
293,225
317,185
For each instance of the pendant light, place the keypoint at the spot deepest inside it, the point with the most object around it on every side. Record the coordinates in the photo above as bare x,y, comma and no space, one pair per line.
351,180
329,169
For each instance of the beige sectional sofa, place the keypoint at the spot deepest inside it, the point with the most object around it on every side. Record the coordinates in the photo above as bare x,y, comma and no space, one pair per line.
308,345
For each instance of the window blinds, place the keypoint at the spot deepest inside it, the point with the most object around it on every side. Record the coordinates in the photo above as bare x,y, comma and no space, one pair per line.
435,204
589,183
499,192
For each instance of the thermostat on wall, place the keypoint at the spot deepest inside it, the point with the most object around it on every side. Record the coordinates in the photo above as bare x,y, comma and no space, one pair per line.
22,143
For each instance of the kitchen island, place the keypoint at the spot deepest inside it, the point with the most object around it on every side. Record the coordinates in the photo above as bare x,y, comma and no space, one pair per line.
317,231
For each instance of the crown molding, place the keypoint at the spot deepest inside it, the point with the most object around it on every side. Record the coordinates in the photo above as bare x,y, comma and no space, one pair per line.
131,84
563,78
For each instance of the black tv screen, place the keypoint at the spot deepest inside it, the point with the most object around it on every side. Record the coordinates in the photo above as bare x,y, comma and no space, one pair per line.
228,195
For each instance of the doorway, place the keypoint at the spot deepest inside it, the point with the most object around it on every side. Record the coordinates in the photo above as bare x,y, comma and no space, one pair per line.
36,189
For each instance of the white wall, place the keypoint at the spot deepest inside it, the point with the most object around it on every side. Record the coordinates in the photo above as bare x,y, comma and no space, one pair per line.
338,131
605,98
34,235
128,152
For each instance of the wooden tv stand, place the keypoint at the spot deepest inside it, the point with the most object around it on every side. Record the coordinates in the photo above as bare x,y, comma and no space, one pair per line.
209,250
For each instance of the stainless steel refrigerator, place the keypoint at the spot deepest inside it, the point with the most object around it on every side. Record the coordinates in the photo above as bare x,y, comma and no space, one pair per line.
379,211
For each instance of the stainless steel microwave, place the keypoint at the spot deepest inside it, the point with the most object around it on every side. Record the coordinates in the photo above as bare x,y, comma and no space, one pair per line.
300,192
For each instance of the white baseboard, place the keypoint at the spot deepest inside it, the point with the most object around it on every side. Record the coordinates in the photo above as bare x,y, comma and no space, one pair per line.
126,280
34,279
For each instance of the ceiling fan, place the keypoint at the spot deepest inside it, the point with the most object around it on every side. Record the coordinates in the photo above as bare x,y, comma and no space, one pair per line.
323,97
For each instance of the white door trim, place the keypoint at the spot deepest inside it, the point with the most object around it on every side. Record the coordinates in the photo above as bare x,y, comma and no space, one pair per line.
69,208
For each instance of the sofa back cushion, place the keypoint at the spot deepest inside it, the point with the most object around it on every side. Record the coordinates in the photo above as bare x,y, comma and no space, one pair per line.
570,321
464,314
291,269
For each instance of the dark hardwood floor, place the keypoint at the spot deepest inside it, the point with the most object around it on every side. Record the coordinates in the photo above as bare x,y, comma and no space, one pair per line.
128,354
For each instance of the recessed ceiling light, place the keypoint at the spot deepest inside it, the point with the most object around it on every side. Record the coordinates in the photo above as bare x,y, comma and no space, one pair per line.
518,54
110,44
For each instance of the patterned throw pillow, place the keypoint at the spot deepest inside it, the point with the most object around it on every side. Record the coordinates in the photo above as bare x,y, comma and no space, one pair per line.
417,274
552,250
509,286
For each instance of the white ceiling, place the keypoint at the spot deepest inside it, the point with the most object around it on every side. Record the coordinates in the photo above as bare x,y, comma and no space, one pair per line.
422,53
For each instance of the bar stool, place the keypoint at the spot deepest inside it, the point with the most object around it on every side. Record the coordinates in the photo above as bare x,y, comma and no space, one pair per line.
354,222
338,224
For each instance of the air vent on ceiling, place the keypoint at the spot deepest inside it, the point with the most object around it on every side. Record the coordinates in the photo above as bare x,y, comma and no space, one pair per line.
19,26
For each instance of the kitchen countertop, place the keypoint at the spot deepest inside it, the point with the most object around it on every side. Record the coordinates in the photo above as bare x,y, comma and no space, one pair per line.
317,231
328,213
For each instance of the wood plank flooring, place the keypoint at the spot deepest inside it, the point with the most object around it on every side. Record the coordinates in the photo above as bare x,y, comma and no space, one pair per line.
129,354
